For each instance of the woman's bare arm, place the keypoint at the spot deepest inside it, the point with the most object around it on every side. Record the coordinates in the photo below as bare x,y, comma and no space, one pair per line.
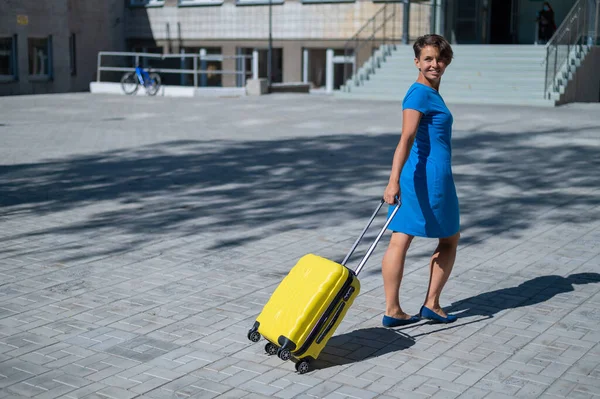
410,124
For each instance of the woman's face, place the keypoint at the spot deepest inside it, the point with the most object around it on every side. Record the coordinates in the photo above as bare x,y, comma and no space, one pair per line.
430,64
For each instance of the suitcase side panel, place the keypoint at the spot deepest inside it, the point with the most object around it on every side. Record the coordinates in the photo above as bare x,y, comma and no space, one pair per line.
332,323
301,299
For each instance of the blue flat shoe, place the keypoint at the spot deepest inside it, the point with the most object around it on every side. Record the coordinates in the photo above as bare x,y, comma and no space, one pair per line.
393,322
427,313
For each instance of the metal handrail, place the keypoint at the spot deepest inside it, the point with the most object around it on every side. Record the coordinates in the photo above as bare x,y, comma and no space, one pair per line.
570,34
195,71
355,43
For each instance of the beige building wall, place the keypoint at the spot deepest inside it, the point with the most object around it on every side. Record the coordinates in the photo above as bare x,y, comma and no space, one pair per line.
296,26
114,25
292,20
97,25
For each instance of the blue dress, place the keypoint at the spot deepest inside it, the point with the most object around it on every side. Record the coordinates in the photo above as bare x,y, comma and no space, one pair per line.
429,202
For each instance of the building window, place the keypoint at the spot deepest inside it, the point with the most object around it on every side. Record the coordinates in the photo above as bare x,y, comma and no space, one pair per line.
257,2
8,58
186,3
72,55
146,3
40,57
332,1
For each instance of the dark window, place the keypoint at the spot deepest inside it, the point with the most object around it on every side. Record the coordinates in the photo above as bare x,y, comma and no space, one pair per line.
8,58
73,55
40,56
146,3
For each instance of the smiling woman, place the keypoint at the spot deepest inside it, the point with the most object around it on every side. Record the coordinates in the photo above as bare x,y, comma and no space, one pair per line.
421,178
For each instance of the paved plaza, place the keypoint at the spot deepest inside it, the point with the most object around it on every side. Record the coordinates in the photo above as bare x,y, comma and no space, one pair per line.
140,237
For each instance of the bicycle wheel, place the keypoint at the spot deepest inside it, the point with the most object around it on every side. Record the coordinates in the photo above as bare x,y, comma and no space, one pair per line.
129,83
153,84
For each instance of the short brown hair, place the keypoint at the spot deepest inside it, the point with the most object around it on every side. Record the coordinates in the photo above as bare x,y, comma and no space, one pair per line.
437,41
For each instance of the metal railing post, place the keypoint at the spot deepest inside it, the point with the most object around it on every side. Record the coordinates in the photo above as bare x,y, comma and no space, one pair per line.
98,67
384,20
555,65
569,51
345,65
394,25
195,70
546,77
405,21
243,70
182,66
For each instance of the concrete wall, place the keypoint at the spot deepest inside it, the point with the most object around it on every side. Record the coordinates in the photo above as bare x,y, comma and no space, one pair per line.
98,25
585,86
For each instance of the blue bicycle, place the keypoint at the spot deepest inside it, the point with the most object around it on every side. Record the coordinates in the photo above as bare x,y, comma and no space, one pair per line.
131,81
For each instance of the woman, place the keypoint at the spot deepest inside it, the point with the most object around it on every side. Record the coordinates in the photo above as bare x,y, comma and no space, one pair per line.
546,23
421,178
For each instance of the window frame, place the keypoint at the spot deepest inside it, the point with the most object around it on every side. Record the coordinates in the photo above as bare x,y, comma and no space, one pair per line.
145,3
44,76
73,54
199,3
258,2
13,76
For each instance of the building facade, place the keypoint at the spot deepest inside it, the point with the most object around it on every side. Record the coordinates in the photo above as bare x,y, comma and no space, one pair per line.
51,46
301,31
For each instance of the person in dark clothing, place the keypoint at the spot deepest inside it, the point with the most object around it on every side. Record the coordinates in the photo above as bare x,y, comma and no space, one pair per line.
546,24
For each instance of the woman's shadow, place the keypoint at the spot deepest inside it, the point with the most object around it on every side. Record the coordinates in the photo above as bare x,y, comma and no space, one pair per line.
372,342
531,292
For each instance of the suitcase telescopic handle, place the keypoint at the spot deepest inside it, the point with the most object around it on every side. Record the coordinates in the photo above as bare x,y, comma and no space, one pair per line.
374,244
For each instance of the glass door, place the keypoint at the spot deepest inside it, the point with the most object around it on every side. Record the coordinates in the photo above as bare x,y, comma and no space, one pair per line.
467,27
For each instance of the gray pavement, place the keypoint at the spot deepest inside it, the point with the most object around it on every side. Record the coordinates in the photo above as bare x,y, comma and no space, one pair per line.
140,237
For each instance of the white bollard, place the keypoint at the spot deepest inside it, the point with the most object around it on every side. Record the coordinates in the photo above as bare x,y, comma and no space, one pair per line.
305,66
329,71
203,66
255,64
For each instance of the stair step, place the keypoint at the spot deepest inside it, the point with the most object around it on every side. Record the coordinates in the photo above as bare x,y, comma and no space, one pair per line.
486,74
494,80
456,92
456,99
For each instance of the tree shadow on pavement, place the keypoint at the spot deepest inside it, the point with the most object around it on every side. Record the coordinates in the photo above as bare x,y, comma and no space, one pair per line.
215,187
360,345
531,292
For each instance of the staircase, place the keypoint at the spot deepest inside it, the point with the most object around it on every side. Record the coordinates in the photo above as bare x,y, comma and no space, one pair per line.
488,74
478,74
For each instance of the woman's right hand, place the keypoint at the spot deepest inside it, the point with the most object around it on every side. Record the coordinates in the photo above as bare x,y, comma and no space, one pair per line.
391,192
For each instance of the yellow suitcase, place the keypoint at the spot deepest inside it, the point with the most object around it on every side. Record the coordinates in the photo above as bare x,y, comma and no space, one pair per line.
309,304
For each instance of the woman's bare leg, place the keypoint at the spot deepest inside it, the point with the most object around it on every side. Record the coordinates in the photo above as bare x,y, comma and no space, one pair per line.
440,268
392,269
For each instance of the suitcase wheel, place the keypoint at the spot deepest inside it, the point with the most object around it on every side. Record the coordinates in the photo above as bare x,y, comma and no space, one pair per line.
253,336
271,349
284,354
302,367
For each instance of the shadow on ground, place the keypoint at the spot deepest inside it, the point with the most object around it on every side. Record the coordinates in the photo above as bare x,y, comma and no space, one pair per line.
360,345
531,292
189,187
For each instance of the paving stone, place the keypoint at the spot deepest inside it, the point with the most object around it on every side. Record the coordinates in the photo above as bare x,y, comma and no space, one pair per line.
135,260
